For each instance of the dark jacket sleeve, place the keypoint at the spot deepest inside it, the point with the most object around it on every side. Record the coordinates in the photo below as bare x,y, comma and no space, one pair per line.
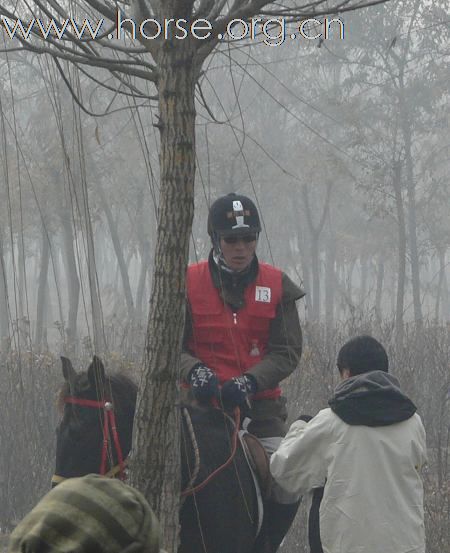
285,340
187,359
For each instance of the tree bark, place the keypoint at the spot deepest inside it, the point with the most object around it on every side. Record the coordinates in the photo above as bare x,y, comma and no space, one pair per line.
22,324
42,290
303,250
97,317
364,265
441,287
315,232
140,292
55,263
399,308
73,283
79,182
315,275
379,289
118,250
158,391
349,284
143,233
4,308
330,277
412,208
412,232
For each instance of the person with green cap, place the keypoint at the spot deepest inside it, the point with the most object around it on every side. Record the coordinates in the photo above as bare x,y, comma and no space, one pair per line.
242,335
91,514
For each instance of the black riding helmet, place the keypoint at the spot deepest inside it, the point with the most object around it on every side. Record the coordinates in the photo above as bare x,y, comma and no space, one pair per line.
233,214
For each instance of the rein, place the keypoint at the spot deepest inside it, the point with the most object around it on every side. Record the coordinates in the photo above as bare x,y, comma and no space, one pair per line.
109,427
234,441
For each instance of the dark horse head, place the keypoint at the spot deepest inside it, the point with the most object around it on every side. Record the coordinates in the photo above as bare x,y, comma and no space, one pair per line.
78,443
219,518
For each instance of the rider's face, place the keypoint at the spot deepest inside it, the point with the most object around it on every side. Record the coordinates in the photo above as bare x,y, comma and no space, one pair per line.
238,251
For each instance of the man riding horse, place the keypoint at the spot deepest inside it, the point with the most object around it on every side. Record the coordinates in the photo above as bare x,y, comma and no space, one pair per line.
242,335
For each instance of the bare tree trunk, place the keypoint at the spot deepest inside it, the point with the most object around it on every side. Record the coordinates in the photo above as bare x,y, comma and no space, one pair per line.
330,276
57,278
143,233
379,289
145,263
315,232
399,309
97,317
349,284
118,250
158,390
315,276
80,188
42,289
412,208
21,324
73,283
445,298
364,269
338,281
4,308
442,284
412,232
364,275
303,250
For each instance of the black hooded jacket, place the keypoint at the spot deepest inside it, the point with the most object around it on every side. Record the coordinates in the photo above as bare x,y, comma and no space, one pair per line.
371,399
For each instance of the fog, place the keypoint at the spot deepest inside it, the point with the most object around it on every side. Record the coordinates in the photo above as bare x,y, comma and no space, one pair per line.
343,143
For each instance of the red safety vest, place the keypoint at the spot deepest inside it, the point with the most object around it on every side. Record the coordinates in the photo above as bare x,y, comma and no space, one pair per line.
232,342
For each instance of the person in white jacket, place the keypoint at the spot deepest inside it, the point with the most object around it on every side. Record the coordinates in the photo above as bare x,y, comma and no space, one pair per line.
366,450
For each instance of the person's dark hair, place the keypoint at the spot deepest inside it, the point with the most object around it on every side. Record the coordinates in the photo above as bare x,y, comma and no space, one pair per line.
362,355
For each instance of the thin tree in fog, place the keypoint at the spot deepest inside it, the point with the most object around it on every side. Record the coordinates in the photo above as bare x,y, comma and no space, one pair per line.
401,77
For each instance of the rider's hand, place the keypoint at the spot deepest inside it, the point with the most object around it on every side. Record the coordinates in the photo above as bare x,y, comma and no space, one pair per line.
204,383
235,392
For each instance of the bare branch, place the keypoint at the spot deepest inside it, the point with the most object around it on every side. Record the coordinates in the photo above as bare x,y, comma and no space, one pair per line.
126,58
134,92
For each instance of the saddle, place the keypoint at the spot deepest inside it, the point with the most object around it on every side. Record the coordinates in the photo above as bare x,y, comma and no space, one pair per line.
259,462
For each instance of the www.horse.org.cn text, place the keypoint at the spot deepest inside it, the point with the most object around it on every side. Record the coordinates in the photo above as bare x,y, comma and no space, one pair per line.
273,31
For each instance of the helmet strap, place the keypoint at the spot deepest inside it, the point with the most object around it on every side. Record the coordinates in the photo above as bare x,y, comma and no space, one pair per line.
221,264
218,255
215,239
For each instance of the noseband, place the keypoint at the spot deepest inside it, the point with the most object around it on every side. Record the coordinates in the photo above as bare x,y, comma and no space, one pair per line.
109,427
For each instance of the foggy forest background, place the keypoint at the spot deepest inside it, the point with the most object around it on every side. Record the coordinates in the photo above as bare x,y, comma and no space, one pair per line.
343,144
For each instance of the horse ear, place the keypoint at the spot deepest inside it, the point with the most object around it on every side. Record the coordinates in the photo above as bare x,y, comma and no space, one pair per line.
67,369
96,372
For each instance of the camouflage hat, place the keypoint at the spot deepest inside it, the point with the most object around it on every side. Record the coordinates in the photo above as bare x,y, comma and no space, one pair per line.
91,514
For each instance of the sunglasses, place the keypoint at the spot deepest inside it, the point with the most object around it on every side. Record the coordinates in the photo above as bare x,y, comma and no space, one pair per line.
247,238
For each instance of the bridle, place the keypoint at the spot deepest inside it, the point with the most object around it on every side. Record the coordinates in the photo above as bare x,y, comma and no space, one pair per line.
109,428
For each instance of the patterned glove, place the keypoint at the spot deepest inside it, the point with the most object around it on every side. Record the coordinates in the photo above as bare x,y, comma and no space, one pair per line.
204,383
236,391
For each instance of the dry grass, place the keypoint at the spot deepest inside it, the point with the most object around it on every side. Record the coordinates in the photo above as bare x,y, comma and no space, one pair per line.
28,416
